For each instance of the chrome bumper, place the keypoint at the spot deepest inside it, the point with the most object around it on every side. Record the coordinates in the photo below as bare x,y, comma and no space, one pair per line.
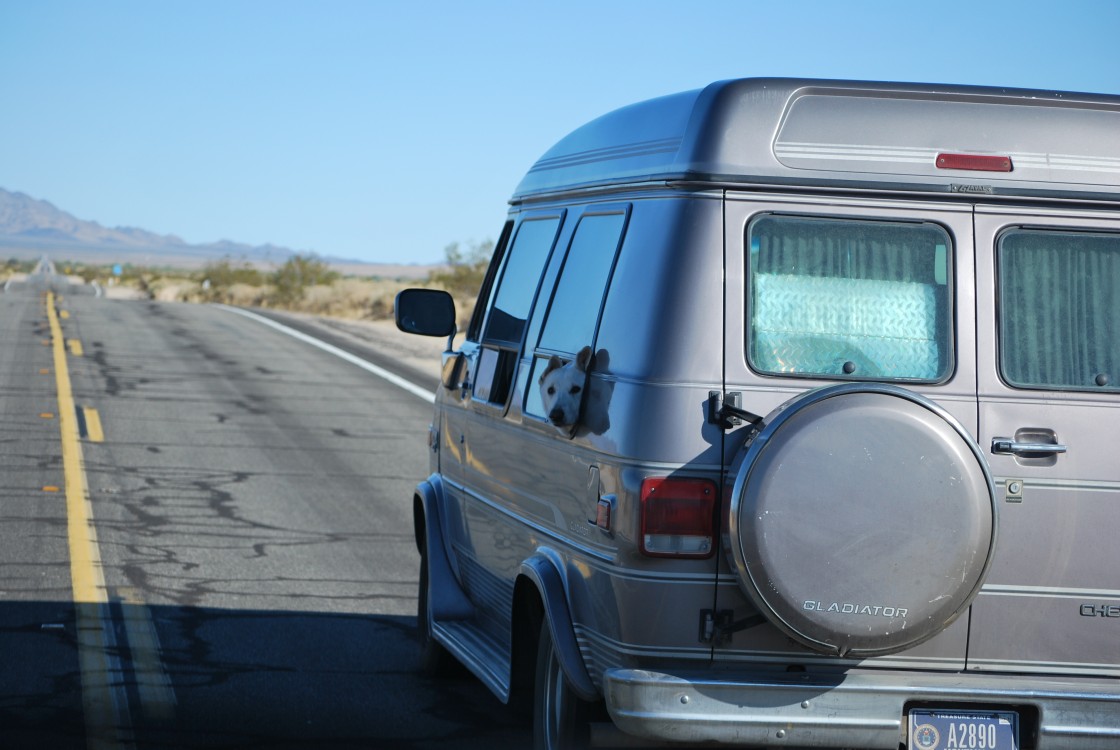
859,709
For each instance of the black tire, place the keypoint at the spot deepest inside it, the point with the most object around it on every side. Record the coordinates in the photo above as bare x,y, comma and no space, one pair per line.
561,720
434,660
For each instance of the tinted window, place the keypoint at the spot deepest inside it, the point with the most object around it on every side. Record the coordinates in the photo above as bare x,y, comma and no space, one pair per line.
574,311
474,328
506,321
843,298
1059,309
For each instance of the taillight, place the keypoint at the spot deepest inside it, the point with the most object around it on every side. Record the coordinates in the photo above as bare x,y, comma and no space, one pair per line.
678,517
974,162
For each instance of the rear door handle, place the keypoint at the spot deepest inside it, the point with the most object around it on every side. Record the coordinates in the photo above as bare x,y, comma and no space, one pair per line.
1009,447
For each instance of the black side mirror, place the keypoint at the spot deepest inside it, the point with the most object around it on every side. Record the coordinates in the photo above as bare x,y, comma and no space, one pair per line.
428,312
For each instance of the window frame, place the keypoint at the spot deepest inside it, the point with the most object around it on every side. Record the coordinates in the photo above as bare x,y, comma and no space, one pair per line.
537,355
506,354
1110,389
948,346
474,327
623,210
559,216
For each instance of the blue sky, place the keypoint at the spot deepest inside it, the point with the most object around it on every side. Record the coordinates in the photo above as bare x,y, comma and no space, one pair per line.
384,131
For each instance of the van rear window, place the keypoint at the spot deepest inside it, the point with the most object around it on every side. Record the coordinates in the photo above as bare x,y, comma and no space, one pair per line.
849,299
1060,309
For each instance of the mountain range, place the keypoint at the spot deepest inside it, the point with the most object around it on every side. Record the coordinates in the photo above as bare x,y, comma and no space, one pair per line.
29,226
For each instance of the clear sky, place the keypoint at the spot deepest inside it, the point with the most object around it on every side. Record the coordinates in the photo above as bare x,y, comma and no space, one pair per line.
383,131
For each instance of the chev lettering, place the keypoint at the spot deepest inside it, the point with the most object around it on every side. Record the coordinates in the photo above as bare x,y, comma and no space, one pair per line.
848,608
978,189
1100,610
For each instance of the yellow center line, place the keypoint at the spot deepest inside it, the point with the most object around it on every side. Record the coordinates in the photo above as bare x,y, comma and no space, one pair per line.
105,717
157,697
85,557
93,425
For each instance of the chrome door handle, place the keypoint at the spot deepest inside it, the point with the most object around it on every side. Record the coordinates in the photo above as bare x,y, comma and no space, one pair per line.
1009,447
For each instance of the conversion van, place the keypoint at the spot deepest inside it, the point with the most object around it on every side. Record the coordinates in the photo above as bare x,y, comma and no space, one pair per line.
789,416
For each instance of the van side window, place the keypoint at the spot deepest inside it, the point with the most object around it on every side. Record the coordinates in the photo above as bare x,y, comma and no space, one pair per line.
573,314
844,298
474,328
505,319
1058,313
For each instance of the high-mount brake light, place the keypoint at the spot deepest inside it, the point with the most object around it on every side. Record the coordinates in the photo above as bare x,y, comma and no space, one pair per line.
678,517
974,162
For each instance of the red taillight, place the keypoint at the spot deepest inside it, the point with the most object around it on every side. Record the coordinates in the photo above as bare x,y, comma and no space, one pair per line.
678,517
974,162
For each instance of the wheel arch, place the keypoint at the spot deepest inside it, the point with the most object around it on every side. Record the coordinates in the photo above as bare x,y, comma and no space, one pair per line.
447,600
540,584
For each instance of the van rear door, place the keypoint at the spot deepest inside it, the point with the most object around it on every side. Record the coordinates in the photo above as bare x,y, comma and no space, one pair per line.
1049,397
843,292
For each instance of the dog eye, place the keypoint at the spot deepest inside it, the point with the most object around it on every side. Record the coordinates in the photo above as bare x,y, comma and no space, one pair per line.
575,389
552,390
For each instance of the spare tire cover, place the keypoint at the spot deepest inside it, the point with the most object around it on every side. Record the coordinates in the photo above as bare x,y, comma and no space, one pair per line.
862,520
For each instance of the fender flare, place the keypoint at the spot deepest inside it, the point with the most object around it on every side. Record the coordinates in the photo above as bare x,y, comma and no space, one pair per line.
446,600
543,570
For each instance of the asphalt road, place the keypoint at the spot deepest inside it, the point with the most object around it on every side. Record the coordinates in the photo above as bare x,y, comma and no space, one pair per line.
248,578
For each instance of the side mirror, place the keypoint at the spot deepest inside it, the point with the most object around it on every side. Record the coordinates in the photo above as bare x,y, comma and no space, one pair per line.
428,312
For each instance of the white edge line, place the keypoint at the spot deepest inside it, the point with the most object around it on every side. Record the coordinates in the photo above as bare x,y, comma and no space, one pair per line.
380,372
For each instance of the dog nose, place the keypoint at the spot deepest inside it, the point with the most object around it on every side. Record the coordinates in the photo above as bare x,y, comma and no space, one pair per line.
556,416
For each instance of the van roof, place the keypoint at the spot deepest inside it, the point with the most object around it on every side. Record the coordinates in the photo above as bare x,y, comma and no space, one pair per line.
863,135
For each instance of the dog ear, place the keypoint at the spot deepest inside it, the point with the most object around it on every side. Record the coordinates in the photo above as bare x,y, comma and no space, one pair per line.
583,358
602,360
554,363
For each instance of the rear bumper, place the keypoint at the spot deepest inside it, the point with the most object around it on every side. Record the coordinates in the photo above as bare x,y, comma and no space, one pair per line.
858,709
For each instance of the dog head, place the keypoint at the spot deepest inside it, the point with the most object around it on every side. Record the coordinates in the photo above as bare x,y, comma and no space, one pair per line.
562,388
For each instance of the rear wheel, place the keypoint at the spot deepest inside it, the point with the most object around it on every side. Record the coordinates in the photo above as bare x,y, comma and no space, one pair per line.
561,720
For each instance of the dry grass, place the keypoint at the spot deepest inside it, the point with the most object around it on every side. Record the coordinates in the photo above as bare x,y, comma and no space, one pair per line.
356,299
364,299
349,299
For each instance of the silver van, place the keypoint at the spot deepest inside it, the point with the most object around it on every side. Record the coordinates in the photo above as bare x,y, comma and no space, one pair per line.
789,416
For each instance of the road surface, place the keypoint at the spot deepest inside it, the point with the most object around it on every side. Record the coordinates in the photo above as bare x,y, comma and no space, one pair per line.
206,536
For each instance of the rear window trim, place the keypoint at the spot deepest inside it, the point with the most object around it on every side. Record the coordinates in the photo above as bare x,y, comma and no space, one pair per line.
1108,392
950,256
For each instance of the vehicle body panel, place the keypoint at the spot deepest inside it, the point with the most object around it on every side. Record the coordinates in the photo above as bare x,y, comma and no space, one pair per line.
653,236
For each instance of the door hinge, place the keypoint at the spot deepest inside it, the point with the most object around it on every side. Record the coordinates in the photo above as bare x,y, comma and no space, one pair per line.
718,627
725,410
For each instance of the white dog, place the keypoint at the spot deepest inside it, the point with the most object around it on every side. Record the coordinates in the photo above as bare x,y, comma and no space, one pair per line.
563,390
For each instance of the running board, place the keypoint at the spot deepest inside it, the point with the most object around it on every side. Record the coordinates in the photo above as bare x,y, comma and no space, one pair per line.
479,652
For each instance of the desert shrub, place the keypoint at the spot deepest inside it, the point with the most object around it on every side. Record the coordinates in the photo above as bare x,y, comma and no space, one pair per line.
368,299
90,274
462,275
216,279
246,295
297,274
465,268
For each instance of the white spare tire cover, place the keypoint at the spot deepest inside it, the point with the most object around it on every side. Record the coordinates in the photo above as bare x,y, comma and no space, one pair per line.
862,519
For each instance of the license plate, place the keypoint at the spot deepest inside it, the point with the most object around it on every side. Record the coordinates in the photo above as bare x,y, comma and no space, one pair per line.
964,730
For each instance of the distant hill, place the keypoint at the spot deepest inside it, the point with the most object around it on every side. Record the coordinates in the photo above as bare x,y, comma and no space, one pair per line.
31,227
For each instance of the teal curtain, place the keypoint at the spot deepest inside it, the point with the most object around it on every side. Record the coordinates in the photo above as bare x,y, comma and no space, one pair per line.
849,298
848,249
1059,309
